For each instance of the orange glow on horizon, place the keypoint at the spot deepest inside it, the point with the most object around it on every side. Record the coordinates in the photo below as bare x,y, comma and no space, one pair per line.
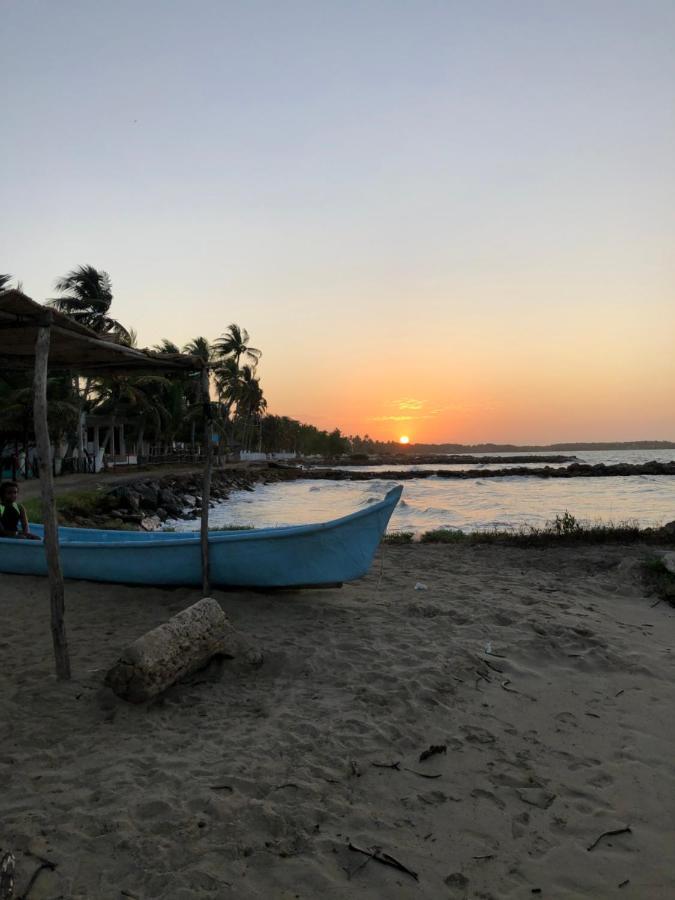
533,389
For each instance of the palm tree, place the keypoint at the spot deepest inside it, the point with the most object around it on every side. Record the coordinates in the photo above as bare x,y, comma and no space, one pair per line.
227,378
140,396
166,346
203,350
16,408
87,300
234,343
88,296
251,403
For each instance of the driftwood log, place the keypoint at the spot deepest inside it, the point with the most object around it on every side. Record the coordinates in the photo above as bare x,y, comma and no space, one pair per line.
180,646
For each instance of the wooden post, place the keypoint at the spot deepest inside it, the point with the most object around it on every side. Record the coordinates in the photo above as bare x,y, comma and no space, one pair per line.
206,482
49,505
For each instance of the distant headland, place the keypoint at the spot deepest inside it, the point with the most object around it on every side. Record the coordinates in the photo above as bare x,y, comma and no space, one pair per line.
536,448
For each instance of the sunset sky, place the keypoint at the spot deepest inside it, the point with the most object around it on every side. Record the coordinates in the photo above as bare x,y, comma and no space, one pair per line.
449,220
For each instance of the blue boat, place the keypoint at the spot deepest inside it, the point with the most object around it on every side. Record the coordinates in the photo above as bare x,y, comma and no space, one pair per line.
327,553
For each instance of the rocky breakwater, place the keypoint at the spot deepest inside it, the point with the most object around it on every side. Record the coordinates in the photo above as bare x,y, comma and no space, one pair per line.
575,470
146,503
437,459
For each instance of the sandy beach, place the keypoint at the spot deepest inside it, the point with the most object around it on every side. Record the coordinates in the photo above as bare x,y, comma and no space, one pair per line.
547,675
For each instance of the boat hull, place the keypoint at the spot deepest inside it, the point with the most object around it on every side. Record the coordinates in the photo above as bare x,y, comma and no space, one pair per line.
322,554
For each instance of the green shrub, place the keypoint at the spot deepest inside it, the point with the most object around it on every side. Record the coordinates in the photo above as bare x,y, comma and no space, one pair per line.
565,524
75,503
232,528
444,536
398,537
565,528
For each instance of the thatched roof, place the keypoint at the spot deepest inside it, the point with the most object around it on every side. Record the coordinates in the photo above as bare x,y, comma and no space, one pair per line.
72,346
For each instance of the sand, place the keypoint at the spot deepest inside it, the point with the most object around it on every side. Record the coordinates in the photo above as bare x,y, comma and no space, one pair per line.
547,674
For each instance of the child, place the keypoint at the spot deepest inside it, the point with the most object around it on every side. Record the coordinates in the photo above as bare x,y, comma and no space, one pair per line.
13,518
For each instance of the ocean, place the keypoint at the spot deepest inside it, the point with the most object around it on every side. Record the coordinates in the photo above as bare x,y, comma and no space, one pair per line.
508,502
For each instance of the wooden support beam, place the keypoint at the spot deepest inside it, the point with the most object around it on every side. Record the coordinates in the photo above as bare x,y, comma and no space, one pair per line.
206,483
49,505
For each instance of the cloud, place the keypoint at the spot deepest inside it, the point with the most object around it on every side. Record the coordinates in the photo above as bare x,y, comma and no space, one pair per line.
408,403
412,406
429,415
395,418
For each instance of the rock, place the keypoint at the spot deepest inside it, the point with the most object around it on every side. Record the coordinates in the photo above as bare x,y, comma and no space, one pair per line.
190,500
669,560
133,500
169,501
148,495
253,657
133,518
124,497
174,649
151,523
112,500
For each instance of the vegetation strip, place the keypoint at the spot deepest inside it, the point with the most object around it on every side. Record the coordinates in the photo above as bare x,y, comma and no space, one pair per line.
564,528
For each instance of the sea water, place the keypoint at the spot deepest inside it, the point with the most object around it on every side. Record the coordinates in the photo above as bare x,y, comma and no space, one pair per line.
506,502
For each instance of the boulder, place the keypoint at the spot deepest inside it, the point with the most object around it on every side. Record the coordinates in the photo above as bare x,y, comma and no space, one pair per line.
170,502
133,500
148,495
150,523
174,649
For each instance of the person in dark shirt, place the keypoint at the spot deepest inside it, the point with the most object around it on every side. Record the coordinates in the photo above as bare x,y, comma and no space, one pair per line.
13,518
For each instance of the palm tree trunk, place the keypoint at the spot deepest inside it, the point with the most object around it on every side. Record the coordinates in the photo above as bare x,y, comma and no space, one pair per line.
110,436
80,416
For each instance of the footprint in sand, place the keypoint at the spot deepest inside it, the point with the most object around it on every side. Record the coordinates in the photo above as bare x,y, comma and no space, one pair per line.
154,809
458,884
566,718
601,780
536,796
583,764
519,824
433,798
475,735
479,794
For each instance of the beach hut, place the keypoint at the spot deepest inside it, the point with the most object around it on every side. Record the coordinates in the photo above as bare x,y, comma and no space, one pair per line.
36,337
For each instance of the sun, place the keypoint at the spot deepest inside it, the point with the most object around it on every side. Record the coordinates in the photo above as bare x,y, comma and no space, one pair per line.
404,439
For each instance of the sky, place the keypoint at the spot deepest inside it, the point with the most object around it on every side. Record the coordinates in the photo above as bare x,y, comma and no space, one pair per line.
448,220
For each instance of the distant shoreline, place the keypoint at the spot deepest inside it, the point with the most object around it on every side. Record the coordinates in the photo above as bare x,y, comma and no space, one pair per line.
536,448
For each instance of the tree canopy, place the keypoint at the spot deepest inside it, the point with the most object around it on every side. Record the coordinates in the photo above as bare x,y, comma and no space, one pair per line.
161,409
